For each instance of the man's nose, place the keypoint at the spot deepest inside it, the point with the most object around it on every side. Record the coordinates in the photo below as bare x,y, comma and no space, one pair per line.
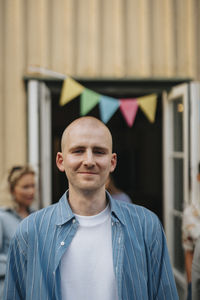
88,159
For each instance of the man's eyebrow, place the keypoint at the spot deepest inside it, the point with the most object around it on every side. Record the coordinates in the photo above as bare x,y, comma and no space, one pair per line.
77,147
101,148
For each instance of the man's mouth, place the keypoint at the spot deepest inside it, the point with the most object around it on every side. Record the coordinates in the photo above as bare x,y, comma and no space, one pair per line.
87,173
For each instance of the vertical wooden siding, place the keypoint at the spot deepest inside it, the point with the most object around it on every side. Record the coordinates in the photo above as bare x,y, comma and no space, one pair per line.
97,38
2,102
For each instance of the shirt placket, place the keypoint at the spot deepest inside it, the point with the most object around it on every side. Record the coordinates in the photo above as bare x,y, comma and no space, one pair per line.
66,233
118,246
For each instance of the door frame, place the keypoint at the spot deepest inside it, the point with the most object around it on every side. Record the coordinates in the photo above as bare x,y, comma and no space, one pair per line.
39,139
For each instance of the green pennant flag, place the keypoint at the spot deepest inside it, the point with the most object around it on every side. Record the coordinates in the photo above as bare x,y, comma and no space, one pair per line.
88,100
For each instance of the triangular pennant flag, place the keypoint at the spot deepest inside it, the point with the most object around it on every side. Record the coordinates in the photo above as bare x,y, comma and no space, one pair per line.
70,90
129,109
108,107
88,100
148,105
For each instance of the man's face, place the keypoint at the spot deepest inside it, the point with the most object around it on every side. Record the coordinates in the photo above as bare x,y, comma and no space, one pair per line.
87,157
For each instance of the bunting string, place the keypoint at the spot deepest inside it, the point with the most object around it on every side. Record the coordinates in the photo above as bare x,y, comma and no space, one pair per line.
108,105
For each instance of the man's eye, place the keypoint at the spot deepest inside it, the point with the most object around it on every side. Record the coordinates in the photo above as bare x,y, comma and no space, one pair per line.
78,151
99,152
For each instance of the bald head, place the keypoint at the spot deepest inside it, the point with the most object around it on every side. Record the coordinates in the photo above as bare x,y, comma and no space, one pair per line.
86,157
89,123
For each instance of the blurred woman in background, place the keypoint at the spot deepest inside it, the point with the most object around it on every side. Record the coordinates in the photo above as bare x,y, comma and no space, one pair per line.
17,193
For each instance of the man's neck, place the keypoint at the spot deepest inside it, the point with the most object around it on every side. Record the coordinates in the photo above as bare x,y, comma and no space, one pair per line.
87,203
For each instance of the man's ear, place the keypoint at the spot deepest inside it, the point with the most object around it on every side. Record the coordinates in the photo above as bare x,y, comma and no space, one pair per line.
60,162
113,162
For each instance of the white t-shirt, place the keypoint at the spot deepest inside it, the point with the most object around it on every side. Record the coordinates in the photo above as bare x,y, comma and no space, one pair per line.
87,271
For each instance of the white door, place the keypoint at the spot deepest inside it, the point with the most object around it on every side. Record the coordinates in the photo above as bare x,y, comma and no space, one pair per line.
195,141
180,160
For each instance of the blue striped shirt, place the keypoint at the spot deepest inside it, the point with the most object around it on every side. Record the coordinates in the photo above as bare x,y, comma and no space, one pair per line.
141,262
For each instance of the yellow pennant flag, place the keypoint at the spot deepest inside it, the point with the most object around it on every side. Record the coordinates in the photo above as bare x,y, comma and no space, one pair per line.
148,105
70,90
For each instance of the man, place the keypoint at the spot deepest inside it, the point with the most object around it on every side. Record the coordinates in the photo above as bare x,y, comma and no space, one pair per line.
89,246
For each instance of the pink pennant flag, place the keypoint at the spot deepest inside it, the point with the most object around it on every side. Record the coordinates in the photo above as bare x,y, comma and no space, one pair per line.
129,109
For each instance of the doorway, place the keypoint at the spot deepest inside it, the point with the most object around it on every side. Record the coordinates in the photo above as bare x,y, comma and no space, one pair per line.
139,148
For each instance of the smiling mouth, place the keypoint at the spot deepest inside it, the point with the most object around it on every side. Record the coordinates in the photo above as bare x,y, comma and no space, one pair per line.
88,173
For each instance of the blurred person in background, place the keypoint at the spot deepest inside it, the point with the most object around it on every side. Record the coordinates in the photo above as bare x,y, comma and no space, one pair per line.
190,234
17,193
115,192
196,272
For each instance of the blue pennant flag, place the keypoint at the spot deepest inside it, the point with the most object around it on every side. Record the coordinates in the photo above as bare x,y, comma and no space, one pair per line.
108,107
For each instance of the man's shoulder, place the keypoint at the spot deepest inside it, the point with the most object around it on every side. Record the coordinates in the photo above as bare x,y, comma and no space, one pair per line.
37,220
43,213
137,216
136,210
45,210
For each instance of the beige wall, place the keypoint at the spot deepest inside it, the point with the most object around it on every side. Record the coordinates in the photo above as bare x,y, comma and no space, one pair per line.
98,38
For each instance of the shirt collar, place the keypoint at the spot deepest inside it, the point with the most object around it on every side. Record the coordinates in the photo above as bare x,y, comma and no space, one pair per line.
116,210
65,213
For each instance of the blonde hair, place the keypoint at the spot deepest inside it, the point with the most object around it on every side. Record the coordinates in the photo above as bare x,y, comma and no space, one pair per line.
9,182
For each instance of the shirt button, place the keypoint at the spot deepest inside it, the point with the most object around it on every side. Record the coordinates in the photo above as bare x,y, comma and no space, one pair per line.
62,243
112,223
73,221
